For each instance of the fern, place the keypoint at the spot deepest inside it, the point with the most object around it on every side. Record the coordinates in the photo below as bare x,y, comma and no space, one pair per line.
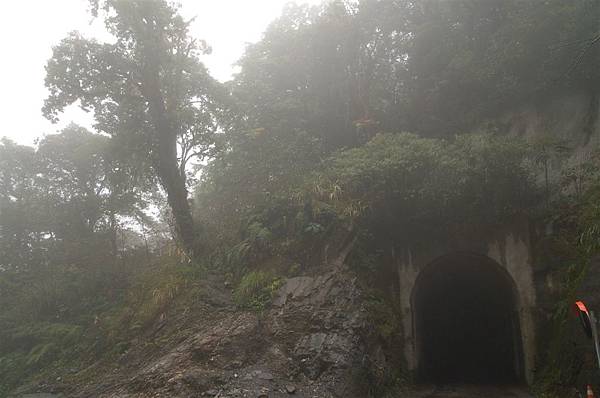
256,289
40,353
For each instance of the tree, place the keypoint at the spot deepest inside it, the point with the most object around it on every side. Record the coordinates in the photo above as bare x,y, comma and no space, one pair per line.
18,194
311,73
87,185
60,207
148,90
430,67
64,199
547,149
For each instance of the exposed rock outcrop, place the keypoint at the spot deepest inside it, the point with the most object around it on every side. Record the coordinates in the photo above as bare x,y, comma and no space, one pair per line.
314,341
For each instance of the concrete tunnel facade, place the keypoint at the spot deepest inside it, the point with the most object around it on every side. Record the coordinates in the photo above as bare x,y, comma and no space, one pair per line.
468,310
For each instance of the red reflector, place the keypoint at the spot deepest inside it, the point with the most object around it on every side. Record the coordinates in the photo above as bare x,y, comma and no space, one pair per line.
584,317
581,306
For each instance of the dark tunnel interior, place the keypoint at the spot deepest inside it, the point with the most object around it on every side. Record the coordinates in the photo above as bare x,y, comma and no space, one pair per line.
466,322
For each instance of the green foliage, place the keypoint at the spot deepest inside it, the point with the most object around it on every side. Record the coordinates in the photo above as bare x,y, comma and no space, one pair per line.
346,69
387,327
395,181
561,362
384,317
148,90
27,348
575,219
255,243
547,149
152,295
253,178
300,154
314,228
414,183
256,290
60,260
62,201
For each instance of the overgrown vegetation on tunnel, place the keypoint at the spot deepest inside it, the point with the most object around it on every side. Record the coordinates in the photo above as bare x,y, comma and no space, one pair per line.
345,121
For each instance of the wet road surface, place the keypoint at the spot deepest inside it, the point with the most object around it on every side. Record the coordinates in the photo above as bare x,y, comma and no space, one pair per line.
471,391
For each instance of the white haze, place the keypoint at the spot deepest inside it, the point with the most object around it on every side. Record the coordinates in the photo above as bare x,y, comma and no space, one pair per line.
29,29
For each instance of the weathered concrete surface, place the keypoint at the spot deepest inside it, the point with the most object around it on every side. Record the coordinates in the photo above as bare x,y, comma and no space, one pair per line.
513,252
509,248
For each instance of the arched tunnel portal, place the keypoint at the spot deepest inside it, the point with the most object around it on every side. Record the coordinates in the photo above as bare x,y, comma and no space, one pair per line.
466,322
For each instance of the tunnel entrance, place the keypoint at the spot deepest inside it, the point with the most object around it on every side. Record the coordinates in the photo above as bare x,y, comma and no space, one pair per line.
466,322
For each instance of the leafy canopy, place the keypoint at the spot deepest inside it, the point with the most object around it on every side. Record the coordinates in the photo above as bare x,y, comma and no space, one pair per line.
148,90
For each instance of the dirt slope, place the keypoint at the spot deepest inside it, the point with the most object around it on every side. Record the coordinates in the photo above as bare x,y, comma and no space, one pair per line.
315,341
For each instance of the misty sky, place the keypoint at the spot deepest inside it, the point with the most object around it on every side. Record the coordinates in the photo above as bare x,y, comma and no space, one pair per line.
29,29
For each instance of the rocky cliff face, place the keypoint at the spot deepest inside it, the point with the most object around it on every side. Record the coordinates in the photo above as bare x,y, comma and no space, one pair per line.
315,341
574,115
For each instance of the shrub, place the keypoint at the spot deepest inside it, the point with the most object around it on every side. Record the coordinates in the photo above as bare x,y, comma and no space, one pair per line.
256,289
420,183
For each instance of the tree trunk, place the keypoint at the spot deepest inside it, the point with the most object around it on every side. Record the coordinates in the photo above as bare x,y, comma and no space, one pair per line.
165,156
114,247
547,181
174,185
